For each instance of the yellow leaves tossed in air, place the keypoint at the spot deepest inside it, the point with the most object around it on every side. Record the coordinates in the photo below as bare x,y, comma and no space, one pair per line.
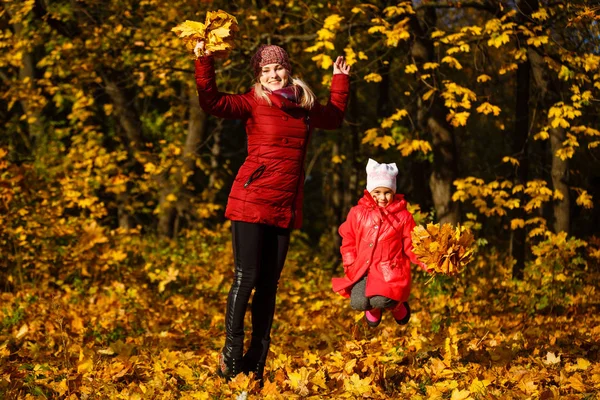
445,250
373,77
217,31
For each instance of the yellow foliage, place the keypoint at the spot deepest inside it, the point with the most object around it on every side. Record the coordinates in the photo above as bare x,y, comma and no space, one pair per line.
373,77
217,32
444,249
498,40
487,108
511,160
407,147
411,69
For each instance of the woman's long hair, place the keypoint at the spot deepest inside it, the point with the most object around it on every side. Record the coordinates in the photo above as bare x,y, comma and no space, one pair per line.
307,97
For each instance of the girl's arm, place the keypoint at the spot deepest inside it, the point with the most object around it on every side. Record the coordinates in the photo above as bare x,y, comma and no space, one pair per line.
331,115
212,101
347,231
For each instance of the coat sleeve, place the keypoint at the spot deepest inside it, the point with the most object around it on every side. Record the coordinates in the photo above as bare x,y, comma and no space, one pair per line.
348,233
331,115
223,105
407,242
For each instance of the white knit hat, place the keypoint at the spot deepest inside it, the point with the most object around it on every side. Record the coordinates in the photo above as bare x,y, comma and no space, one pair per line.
381,175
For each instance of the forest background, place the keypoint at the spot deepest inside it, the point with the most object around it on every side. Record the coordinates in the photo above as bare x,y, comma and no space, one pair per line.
115,256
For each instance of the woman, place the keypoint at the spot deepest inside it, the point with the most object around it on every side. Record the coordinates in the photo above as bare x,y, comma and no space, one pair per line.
265,201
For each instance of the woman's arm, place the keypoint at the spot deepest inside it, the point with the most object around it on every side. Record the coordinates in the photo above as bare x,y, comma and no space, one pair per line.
331,115
212,101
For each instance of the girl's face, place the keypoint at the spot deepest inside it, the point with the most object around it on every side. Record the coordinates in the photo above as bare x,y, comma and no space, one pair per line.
273,77
383,196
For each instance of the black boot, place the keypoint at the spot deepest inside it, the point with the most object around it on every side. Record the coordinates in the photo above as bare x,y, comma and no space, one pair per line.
230,358
255,359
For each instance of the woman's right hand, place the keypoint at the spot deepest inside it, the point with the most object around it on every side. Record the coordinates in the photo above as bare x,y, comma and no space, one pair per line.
200,51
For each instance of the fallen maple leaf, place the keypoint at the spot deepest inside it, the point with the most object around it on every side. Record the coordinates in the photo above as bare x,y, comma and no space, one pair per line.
551,359
217,32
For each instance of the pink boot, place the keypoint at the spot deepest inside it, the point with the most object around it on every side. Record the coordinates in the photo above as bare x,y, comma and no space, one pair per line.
373,317
401,313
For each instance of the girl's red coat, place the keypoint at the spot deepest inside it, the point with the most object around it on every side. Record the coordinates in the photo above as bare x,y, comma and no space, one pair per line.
377,241
269,186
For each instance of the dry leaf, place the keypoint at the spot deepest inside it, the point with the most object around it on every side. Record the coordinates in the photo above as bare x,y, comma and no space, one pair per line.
444,249
217,32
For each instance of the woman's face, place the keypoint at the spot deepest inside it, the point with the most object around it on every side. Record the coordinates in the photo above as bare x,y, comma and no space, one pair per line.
273,76
383,196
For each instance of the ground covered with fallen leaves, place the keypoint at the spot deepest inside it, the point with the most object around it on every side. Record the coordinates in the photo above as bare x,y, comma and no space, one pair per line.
154,331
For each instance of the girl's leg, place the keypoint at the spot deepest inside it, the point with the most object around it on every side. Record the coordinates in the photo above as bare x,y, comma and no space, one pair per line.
358,300
247,240
382,302
274,251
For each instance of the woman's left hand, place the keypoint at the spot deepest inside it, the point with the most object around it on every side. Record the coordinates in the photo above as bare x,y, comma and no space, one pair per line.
340,66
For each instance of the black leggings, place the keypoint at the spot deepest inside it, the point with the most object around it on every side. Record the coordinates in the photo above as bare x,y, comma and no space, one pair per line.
259,253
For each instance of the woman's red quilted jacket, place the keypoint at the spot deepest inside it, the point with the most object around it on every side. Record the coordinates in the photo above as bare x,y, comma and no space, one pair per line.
268,188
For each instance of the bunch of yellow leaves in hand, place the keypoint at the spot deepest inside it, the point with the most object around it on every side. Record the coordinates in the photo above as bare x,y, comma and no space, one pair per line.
445,250
217,32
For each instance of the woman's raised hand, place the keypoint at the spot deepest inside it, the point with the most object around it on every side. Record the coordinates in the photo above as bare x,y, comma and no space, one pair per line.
340,66
200,51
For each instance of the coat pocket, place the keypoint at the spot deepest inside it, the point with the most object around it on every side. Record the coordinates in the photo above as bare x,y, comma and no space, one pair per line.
257,173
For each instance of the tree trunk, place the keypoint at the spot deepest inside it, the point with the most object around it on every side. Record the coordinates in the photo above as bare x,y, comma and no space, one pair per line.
171,212
432,119
27,76
548,89
520,151
129,121
560,174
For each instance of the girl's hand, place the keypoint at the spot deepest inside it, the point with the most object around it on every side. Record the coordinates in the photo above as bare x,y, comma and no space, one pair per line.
340,66
200,51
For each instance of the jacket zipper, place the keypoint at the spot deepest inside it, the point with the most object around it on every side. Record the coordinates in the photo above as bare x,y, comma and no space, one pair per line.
255,175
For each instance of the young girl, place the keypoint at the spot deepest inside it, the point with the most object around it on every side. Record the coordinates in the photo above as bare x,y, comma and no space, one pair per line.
265,202
377,249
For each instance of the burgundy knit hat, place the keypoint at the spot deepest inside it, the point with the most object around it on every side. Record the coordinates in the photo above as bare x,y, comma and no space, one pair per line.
269,54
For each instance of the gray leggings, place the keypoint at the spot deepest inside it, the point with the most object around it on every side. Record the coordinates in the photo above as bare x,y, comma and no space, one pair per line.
359,301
